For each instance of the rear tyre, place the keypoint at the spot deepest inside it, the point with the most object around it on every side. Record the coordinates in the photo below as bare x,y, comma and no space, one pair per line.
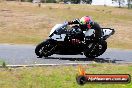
95,49
45,49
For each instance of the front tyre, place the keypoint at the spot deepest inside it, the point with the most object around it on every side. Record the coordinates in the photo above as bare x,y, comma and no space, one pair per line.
45,48
95,49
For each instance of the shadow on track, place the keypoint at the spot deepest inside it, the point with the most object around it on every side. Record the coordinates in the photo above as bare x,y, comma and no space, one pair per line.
98,60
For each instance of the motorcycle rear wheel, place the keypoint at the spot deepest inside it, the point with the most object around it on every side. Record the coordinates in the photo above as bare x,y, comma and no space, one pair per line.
96,49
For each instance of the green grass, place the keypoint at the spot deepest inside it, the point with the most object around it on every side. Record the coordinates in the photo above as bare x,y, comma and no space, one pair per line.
59,76
26,23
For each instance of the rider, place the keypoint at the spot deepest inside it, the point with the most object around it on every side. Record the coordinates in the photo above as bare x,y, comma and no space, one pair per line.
87,23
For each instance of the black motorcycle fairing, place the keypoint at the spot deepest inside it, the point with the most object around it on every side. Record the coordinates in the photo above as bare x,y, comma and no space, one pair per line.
67,48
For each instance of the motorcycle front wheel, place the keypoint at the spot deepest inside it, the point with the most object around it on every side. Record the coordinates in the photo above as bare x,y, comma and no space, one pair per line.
45,49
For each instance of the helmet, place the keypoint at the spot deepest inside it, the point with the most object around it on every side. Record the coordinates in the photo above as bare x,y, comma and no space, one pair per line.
86,20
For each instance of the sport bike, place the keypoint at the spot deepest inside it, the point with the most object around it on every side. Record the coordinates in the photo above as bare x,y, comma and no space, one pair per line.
71,40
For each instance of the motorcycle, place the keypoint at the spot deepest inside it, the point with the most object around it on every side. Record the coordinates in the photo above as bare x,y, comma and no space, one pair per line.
71,40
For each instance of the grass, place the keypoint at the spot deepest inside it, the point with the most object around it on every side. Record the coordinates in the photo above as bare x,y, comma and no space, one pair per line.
26,23
59,76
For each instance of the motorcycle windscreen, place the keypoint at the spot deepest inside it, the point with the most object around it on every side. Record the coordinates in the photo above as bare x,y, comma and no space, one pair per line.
59,29
57,26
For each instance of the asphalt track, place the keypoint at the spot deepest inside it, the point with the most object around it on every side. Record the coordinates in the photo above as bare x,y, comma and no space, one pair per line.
24,55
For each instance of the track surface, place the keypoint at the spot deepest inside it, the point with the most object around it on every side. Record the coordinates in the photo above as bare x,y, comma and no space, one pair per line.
24,55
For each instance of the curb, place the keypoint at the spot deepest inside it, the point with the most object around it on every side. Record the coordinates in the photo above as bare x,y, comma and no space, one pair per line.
40,65
67,64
